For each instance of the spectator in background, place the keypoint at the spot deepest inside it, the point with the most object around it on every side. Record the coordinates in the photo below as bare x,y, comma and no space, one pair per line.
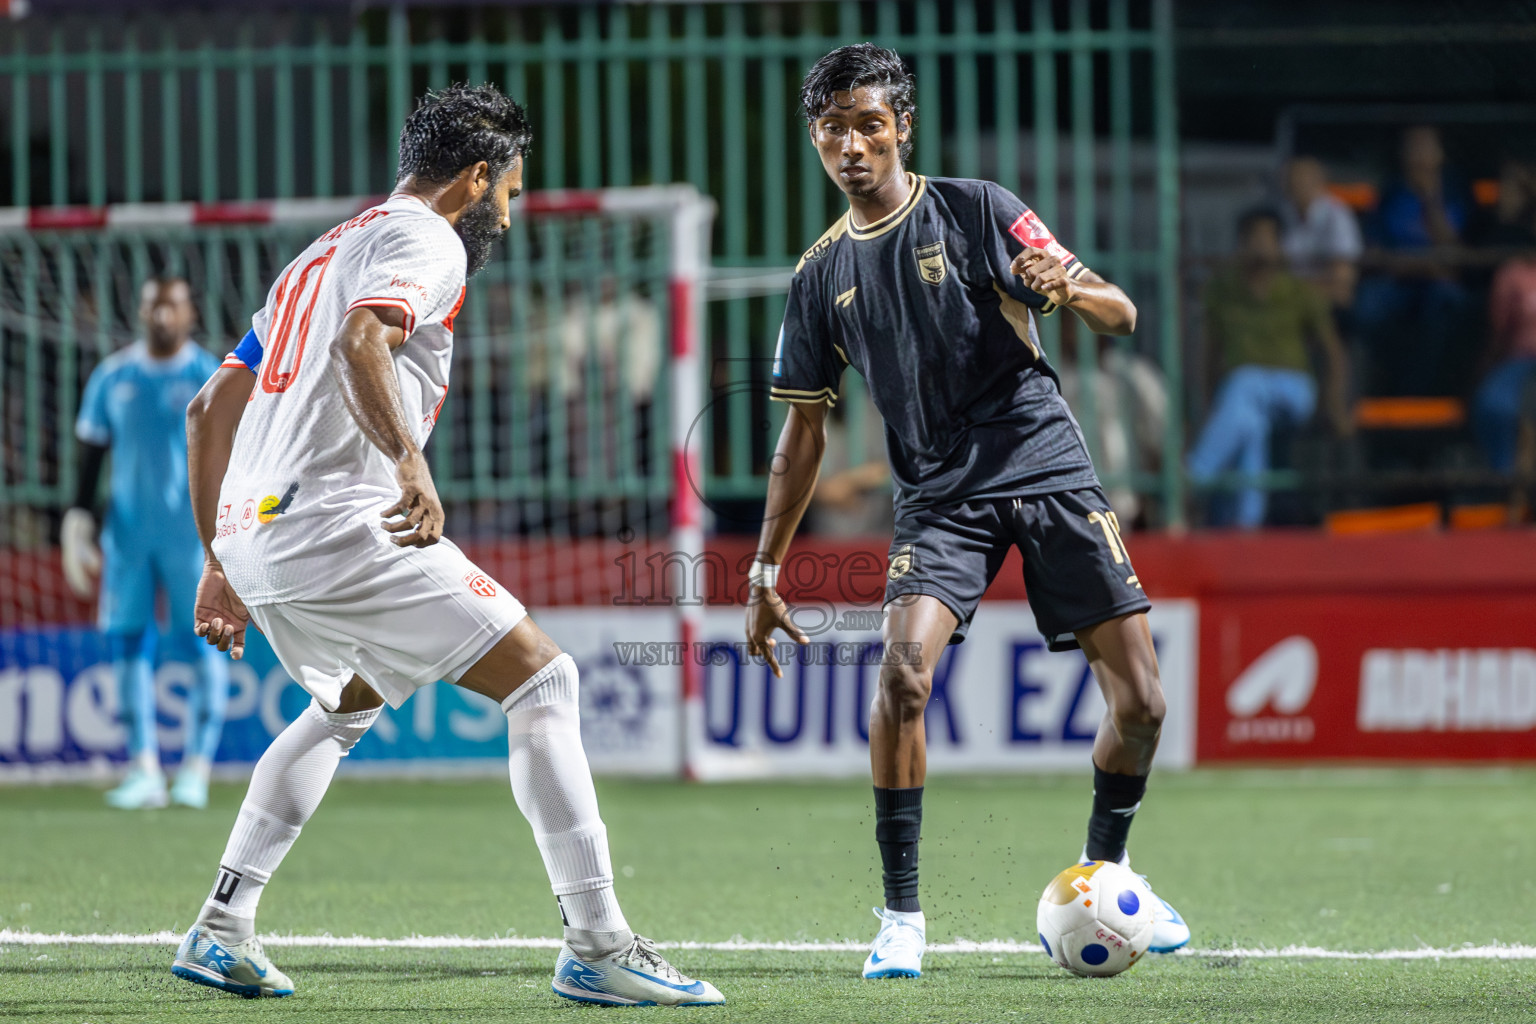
1321,236
1496,408
1412,315
1262,325
1509,222
598,353
1131,410
1427,205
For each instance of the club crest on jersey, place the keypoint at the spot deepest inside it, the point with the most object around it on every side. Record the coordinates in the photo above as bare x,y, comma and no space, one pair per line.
481,584
902,563
930,262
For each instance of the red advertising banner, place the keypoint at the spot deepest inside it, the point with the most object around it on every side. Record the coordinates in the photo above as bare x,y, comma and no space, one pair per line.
1420,676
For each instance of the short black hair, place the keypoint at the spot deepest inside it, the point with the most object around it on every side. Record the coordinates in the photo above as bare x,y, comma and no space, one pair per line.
862,64
1257,215
459,126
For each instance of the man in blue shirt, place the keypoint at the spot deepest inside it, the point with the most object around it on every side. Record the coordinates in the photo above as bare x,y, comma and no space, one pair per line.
135,404
1413,315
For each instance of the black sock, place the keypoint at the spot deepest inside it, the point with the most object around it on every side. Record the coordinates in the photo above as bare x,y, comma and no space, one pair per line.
898,825
1116,798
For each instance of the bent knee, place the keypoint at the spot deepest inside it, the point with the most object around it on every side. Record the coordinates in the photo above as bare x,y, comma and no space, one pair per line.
1141,709
906,688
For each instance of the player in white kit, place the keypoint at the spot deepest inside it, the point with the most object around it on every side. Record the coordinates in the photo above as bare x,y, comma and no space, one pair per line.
322,526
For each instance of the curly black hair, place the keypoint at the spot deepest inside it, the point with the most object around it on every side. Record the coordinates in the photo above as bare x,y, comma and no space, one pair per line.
461,125
862,64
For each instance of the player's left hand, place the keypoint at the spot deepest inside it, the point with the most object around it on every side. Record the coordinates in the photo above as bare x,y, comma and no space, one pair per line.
218,614
766,612
421,522
1044,274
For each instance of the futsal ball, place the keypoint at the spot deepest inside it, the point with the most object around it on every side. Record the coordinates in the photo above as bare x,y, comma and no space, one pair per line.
1095,919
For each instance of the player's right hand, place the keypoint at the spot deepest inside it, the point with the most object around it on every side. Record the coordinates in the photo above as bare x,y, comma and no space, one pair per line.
218,615
766,612
82,558
421,513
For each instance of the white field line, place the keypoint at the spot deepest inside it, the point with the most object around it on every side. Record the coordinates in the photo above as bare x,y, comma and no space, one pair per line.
1493,952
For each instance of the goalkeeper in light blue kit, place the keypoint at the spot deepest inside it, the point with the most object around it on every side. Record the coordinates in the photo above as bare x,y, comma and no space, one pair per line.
135,405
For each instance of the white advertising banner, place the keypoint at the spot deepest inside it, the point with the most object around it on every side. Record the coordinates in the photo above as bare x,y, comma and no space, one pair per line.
1001,702
631,705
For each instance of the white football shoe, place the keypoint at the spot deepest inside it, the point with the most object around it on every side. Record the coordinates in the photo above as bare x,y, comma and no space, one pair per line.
238,967
1169,932
636,975
897,951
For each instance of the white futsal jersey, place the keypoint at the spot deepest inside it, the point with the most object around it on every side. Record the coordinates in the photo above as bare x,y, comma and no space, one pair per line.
300,503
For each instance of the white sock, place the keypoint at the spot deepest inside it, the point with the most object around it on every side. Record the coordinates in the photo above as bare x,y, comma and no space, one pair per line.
285,789
553,788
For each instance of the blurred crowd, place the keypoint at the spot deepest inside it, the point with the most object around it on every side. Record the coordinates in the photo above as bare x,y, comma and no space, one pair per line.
1416,291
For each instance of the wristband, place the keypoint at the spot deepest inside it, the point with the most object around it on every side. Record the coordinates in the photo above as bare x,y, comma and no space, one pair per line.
763,574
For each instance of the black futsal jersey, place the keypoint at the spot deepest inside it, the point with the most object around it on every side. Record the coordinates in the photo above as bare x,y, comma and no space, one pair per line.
923,305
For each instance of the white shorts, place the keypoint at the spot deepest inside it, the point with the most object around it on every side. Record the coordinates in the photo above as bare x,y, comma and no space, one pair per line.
405,619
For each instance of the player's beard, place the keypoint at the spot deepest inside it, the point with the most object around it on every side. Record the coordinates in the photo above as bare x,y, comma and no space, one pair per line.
479,227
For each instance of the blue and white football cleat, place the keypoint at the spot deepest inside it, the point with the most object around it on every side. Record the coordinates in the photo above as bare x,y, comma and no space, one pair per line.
897,951
238,967
636,975
1169,932
139,791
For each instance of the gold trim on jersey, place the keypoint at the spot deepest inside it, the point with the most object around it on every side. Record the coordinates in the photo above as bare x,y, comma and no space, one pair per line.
824,243
1017,315
918,184
827,395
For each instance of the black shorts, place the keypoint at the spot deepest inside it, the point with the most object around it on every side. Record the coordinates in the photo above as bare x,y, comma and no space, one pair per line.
1076,569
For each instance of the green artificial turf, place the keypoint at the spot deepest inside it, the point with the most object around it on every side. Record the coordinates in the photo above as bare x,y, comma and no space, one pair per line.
1351,860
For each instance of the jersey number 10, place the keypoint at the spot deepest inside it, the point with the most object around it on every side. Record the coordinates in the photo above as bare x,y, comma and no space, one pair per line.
293,308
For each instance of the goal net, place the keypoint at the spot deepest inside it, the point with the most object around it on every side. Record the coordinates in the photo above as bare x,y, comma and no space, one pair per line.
563,454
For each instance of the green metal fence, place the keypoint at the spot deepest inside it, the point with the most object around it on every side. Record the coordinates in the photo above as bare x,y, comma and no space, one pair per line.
560,416
1068,102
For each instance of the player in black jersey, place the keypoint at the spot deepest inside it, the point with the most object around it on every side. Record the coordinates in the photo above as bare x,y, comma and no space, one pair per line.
929,287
